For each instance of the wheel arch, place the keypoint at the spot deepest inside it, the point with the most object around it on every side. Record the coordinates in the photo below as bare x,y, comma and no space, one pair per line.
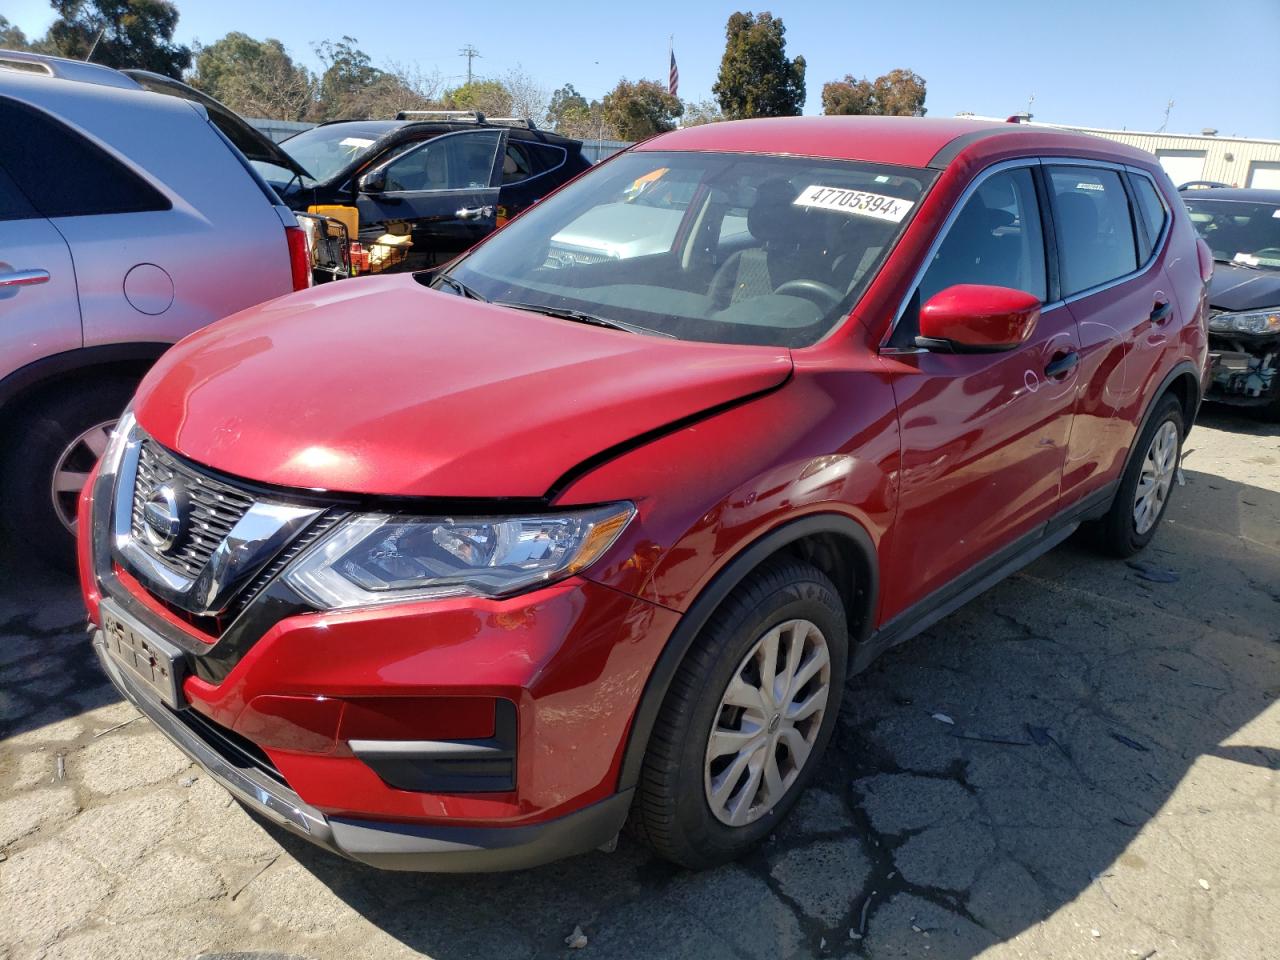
1183,382
833,542
28,382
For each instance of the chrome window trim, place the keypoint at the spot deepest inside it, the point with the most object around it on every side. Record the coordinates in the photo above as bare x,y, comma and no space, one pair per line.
1121,168
564,158
969,191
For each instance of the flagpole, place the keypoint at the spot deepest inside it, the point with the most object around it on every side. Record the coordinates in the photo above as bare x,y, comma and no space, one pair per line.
671,53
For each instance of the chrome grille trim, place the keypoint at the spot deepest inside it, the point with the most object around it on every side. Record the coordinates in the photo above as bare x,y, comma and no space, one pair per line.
218,556
216,507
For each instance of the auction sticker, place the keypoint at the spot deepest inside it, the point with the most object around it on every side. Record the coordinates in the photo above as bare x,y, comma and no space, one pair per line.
857,202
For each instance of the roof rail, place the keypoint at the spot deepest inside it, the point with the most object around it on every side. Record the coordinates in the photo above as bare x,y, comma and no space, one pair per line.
475,116
514,122
38,63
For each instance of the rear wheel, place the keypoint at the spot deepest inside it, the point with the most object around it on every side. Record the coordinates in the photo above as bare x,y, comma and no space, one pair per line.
59,440
747,718
1147,484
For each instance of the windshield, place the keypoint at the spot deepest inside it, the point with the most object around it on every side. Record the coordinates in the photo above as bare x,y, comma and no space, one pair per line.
730,248
323,151
1239,231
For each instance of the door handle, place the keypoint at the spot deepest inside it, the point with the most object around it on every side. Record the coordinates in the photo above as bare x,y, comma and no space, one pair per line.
474,213
23,278
1162,313
1061,365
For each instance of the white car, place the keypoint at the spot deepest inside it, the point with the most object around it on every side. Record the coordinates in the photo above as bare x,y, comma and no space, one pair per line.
127,220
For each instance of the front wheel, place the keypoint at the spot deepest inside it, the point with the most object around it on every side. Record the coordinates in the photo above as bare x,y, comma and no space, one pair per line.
747,718
1147,483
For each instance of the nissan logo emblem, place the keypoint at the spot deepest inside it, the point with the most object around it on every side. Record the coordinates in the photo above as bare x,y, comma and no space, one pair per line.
164,516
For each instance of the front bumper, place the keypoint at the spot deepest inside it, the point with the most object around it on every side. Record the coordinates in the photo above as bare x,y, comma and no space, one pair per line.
394,846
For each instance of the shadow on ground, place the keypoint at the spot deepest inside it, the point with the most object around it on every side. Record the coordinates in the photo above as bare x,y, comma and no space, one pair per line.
1080,694
50,673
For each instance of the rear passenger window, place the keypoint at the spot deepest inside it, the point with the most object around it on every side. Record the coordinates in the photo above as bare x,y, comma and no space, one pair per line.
525,160
996,239
1096,241
62,173
1153,211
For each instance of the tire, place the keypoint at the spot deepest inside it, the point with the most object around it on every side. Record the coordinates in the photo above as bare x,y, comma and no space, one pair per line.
673,810
1120,533
47,431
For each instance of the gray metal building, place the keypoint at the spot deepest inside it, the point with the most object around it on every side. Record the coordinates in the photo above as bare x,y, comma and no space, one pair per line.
1236,161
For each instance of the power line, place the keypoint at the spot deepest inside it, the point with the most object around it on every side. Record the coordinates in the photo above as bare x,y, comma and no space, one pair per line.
470,53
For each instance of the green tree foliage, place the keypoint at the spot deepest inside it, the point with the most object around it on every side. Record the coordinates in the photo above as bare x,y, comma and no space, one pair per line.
899,93
352,88
634,111
11,38
756,78
570,113
704,111
566,103
256,78
490,97
135,33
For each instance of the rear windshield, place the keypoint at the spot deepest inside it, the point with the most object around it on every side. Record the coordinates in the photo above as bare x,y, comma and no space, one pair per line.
1238,231
729,248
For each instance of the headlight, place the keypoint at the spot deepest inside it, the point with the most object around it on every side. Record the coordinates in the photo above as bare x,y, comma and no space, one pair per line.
380,558
1256,322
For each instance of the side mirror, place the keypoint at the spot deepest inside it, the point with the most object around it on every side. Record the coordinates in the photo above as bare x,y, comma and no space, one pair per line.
375,181
977,318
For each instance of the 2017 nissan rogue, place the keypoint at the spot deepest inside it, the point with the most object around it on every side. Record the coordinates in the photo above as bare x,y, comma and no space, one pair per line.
460,571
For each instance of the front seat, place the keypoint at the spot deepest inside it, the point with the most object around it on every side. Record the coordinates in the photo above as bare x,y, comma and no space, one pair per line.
791,248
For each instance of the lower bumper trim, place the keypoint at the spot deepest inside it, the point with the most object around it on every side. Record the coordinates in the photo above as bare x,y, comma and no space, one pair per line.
388,845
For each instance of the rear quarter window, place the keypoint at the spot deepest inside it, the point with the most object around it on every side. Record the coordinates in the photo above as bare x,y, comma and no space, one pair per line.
1153,210
62,173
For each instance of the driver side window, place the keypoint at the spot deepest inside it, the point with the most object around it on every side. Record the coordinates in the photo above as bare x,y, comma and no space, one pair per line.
451,162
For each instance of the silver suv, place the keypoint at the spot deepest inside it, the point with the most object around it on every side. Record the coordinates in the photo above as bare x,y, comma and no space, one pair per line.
128,219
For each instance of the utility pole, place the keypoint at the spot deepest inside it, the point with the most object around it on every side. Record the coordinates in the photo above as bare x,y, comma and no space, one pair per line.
470,53
1168,107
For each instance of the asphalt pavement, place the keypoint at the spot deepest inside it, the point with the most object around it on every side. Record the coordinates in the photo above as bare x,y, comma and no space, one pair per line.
1083,762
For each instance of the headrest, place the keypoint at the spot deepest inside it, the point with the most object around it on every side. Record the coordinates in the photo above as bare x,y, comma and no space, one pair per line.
773,218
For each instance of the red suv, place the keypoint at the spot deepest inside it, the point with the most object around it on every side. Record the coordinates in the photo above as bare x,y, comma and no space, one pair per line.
459,571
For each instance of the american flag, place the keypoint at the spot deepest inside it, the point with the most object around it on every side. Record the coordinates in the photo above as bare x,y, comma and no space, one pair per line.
673,80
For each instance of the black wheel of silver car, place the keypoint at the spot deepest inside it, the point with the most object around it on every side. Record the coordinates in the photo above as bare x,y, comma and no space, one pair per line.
746,719
59,439
1147,483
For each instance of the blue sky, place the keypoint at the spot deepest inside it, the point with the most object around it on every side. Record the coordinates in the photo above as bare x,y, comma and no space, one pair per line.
1103,63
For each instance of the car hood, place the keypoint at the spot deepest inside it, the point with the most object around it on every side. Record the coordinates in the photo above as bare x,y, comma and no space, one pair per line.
1241,288
382,386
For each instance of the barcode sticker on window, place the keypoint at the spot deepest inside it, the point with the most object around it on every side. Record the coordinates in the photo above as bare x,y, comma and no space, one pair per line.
857,202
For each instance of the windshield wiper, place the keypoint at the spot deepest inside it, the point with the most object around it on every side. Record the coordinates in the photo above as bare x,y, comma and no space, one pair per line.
462,288
1237,263
578,316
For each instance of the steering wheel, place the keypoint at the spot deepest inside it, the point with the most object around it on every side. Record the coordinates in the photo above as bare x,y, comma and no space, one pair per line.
1268,253
822,294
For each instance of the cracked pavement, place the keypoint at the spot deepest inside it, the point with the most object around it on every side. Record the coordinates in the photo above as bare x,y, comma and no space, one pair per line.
1108,787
